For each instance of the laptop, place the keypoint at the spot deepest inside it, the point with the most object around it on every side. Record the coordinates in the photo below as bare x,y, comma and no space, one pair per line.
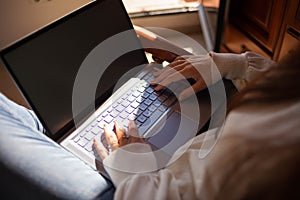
48,66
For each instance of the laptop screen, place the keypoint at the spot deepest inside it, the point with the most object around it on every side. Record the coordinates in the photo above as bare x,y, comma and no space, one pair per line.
45,64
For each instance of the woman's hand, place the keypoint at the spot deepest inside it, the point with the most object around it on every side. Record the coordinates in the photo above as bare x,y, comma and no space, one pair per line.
117,138
159,55
195,67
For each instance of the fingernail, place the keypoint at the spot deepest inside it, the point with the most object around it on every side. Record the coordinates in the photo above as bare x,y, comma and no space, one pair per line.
158,88
181,97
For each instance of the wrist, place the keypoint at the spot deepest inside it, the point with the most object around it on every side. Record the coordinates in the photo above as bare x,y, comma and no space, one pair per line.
231,66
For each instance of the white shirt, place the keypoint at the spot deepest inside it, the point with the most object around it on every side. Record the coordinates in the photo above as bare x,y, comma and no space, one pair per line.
202,173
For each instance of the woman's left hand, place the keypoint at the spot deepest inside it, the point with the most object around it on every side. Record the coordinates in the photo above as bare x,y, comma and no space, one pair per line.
184,67
117,138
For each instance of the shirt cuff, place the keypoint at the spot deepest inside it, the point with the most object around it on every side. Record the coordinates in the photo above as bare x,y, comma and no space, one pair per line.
129,160
231,66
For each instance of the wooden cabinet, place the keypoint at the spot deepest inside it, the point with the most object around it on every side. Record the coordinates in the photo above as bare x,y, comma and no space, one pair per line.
291,32
268,27
260,20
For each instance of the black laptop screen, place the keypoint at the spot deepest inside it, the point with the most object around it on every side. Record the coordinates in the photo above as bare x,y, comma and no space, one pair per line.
45,64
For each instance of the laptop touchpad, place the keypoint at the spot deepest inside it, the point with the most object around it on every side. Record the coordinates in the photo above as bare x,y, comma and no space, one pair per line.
176,131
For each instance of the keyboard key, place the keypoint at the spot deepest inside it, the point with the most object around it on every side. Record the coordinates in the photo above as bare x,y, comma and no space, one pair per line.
156,103
105,114
167,93
114,114
135,104
82,133
138,124
77,138
169,101
108,119
110,109
89,128
147,113
143,107
153,97
141,119
136,94
150,90
115,105
120,108
145,84
140,99
154,117
152,108
137,112
82,142
124,115
131,117
89,136
96,130
94,123
162,98
125,96
148,102
141,89
162,108
145,95
125,104
129,110
89,146
131,98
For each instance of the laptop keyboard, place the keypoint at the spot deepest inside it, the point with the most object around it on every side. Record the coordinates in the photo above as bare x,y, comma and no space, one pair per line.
141,104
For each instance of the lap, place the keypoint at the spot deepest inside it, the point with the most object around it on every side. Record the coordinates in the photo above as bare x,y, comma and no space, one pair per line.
27,153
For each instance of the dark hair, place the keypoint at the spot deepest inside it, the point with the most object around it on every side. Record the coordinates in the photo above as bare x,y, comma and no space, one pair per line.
267,167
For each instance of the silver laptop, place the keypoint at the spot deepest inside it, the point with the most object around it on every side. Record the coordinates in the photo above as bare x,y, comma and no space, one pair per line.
49,66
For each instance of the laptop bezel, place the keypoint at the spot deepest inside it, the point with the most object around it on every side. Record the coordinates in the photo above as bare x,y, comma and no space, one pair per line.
70,126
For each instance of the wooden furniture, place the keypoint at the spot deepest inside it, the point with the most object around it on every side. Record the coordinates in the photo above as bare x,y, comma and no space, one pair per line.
268,27
291,31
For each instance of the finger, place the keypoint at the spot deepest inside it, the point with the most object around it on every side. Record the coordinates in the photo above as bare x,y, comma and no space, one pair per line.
110,136
134,133
179,58
198,86
133,129
156,59
169,71
183,57
102,152
120,132
182,74
175,63
171,65
167,74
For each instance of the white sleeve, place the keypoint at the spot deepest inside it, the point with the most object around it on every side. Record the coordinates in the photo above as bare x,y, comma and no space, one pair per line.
131,159
241,68
179,179
133,170
161,185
